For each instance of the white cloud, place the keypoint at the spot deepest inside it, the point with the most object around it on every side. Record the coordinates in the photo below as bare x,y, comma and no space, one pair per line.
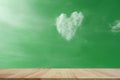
67,26
116,27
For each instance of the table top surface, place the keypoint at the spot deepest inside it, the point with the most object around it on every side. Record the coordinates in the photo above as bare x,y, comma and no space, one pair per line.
60,73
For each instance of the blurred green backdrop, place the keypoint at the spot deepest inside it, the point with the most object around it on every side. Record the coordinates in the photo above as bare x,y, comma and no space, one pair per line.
29,38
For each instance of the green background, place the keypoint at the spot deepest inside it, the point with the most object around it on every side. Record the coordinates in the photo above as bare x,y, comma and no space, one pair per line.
29,38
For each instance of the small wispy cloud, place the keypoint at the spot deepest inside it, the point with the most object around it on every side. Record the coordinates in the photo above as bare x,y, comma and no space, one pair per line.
116,27
67,26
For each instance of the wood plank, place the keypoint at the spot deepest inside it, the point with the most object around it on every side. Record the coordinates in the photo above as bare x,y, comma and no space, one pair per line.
62,74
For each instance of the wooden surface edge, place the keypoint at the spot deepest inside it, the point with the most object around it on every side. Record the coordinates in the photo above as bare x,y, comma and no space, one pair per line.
60,74
59,78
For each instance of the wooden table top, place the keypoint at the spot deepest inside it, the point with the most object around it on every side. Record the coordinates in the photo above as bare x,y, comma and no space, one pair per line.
74,74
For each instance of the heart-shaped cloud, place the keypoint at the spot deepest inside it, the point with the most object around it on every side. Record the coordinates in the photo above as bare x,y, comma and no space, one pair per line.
67,26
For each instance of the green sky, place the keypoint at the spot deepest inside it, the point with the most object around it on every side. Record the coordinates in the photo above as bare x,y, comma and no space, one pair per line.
29,37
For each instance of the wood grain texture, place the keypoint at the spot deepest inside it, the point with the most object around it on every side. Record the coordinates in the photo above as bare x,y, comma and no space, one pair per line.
75,74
